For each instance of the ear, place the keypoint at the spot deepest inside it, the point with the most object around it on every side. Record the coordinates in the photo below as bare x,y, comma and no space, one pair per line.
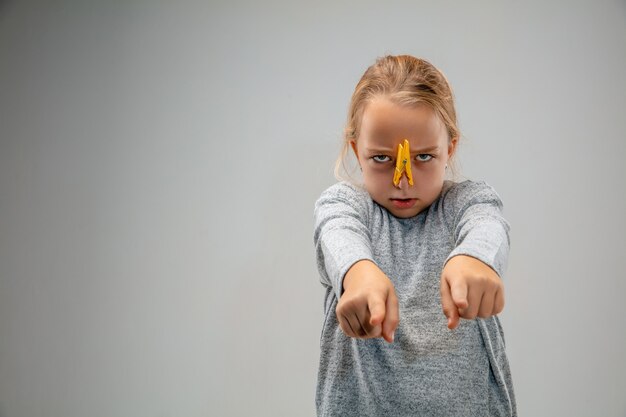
452,146
356,152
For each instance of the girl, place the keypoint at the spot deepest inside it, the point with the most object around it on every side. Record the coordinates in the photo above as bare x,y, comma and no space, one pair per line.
411,262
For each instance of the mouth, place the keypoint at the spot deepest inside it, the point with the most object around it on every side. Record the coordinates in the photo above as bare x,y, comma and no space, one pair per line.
403,203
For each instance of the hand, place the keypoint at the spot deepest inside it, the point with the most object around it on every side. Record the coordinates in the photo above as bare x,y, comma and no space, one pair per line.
368,308
470,289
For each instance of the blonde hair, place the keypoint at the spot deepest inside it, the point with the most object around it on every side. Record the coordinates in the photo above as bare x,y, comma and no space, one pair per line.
405,80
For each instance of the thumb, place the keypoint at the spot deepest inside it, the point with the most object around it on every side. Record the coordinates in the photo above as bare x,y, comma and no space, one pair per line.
392,318
449,307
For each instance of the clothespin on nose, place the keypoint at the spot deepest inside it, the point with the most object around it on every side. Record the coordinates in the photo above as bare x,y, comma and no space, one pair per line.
403,164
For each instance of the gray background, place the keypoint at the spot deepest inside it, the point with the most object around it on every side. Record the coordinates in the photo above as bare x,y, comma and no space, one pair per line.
159,162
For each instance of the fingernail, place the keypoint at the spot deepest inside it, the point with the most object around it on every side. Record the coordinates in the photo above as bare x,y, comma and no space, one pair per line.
393,335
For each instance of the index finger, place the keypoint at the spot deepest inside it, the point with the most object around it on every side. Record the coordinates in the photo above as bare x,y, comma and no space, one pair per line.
450,309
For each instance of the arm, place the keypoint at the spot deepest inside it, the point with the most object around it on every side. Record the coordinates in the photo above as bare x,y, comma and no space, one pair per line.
471,284
367,306
341,234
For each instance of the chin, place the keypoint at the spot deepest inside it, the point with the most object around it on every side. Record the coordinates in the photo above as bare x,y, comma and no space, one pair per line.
403,214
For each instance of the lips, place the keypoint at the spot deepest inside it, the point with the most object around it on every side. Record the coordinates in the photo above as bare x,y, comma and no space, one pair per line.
403,203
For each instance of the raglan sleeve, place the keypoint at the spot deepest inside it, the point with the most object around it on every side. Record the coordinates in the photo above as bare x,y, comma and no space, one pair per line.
341,234
474,214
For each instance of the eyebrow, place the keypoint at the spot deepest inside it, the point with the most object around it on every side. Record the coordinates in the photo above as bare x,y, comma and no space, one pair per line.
429,149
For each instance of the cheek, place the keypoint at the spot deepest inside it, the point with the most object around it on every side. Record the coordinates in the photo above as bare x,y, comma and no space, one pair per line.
429,180
428,171
376,179
424,172
424,178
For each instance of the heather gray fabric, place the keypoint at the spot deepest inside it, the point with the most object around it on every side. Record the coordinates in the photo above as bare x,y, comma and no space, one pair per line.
429,370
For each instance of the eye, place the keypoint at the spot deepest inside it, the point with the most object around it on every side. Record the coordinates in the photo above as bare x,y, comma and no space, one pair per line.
429,157
381,158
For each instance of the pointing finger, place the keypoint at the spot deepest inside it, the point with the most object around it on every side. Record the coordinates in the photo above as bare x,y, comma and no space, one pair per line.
449,307
392,317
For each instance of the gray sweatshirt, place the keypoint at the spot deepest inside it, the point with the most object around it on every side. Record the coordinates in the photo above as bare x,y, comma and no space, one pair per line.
429,370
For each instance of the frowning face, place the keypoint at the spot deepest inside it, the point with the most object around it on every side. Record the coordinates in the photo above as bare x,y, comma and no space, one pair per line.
384,125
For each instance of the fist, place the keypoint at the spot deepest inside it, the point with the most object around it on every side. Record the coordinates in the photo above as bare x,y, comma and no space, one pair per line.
470,289
368,307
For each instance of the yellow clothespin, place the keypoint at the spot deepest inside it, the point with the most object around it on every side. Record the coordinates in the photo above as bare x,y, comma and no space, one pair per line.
403,164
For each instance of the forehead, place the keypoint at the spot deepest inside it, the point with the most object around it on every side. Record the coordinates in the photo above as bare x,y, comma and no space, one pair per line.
385,123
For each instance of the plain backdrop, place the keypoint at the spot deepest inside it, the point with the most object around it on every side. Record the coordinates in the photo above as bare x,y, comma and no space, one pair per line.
159,162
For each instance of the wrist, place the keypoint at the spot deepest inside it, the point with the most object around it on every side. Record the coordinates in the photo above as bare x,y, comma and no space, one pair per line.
356,271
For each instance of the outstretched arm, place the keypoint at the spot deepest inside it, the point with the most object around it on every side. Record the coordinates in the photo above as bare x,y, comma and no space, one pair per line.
471,284
367,306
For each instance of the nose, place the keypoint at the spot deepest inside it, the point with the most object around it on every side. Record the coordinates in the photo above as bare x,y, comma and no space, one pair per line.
403,184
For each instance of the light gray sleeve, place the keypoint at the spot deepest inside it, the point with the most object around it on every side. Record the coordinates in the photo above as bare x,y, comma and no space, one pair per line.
341,233
477,224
